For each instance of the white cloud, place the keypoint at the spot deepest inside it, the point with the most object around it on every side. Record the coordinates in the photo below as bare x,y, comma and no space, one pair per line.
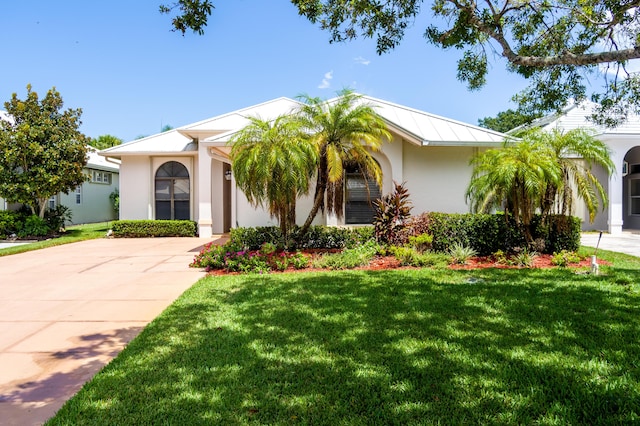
362,61
326,81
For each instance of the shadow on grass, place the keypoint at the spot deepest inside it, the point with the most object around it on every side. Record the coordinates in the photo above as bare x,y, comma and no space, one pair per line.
403,347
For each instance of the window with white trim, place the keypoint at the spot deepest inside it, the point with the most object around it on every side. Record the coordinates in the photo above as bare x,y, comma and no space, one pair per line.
99,176
79,194
52,202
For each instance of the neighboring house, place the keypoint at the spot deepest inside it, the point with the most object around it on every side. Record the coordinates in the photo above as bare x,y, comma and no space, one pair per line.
623,186
185,173
90,202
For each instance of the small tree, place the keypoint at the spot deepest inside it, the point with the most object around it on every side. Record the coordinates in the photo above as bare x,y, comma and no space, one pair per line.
273,163
42,152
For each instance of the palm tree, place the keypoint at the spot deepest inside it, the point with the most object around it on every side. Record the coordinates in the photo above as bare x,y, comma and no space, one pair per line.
344,131
514,177
576,152
273,164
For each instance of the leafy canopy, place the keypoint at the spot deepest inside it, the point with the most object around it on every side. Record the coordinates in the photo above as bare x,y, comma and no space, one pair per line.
105,141
560,45
42,152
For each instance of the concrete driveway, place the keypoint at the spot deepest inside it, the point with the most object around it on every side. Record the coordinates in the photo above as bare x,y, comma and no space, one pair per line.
66,311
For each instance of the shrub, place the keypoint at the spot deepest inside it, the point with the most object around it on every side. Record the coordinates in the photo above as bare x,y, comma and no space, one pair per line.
348,258
461,254
10,223
490,233
34,227
391,213
57,217
153,228
408,256
525,258
564,258
318,237
422,242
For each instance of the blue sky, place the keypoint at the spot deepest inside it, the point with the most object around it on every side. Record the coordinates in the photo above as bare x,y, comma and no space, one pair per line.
131,75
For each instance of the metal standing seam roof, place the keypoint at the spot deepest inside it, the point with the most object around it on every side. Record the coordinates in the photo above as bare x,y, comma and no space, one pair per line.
416,126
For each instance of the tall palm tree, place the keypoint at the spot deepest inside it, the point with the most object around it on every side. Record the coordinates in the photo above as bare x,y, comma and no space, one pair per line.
344,131
576,152
514,177
273,163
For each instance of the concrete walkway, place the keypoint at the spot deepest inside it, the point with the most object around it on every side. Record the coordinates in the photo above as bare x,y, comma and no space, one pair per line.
66,311
626,242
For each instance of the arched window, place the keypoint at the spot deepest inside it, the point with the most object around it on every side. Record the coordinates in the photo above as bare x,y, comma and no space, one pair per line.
172,192
360,193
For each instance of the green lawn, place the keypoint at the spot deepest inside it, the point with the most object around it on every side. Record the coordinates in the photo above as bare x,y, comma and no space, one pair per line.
387,347
73,234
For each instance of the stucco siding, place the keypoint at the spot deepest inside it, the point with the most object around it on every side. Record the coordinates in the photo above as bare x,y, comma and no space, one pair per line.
437,177
135,188
95,205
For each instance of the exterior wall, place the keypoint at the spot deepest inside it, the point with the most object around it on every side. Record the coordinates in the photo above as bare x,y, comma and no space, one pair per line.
437,177
136,182
95,205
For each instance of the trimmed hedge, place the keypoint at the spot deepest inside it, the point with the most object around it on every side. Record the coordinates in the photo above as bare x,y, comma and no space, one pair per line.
487,233
153,228
318,237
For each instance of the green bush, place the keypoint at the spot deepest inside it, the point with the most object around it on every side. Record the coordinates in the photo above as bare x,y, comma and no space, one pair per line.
318,237
460,254
10,223
153,228
488,234
57,217
349,258
422,242
408,256
34,227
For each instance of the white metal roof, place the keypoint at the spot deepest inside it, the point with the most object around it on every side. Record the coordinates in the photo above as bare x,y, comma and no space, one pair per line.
413,125
577,116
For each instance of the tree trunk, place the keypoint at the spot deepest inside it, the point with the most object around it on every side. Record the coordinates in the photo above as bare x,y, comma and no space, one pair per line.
43,206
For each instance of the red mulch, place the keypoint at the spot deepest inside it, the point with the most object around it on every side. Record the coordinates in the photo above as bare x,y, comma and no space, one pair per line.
541,261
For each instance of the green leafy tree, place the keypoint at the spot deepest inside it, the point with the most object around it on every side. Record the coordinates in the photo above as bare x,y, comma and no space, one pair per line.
559,45
513,177
273,163
42,150
507,120
576,152
105,141
345,131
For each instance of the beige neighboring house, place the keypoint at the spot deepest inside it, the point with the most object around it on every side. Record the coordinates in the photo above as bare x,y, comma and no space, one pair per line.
185,173
623,186
89,202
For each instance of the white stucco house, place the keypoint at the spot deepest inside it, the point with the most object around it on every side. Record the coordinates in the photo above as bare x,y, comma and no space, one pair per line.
623,186
185,173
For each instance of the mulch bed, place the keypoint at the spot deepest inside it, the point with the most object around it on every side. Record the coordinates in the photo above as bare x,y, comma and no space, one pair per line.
541,261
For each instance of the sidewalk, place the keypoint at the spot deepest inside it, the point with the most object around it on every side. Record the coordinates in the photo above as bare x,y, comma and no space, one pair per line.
66,311
626,242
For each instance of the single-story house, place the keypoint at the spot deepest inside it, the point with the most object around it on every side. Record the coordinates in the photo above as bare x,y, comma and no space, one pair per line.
186,173
623,186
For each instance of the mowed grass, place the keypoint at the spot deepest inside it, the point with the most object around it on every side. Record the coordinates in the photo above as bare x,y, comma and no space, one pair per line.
387,347
73,234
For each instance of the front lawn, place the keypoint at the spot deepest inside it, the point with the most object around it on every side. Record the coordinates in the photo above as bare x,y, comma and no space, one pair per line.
383,347
73,234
